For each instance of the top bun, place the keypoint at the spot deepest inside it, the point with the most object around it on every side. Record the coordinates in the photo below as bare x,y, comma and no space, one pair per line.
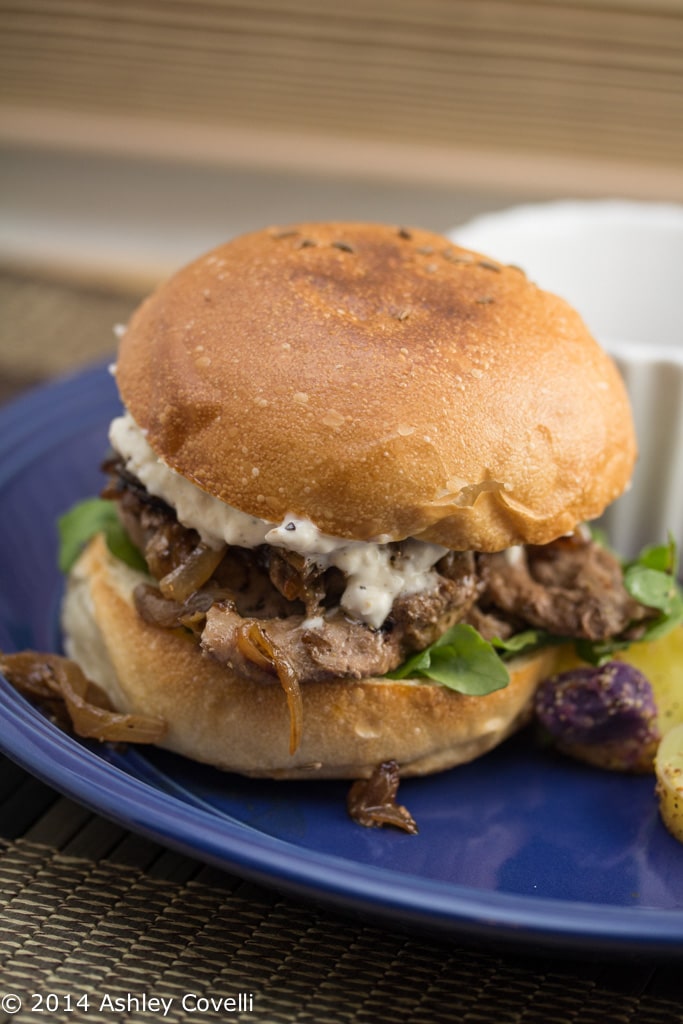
381,382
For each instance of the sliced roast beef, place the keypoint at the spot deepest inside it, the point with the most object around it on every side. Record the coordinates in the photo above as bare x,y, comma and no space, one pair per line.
572,587
421,617
327,648
329,645
270,600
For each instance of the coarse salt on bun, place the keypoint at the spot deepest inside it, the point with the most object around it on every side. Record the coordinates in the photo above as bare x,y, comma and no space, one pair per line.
382,383
215,717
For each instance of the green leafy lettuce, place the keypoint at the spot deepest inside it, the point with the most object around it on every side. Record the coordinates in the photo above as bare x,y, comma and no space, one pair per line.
461,660
524,642
651,580
88,518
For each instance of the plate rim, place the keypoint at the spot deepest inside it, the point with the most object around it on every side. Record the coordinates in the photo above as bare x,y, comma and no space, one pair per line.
439,906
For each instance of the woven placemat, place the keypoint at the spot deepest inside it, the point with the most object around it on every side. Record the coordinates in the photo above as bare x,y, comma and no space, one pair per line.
100,924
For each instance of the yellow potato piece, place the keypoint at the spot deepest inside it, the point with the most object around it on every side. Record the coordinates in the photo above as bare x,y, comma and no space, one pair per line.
669,772
661,661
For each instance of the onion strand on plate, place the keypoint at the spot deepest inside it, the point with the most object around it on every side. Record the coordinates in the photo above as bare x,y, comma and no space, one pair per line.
58,686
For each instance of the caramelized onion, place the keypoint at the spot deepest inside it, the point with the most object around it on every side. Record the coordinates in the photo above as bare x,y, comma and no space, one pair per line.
372,802
58,684
192,573
255,644
162,611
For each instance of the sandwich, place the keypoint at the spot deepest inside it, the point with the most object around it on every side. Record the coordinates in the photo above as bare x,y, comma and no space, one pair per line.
346,506
338,442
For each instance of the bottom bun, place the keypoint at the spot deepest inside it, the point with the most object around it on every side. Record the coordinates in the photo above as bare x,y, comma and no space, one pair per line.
216,717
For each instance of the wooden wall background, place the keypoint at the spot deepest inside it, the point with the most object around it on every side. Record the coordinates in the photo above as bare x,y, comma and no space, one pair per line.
519,92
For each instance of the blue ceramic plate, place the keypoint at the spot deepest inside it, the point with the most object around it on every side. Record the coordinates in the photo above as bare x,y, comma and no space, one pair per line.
520,846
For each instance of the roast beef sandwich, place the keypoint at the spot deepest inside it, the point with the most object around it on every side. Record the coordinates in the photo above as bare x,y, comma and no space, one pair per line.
355,463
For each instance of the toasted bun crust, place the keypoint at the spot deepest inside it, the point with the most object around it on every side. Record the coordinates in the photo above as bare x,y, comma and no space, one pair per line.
217,718
382,383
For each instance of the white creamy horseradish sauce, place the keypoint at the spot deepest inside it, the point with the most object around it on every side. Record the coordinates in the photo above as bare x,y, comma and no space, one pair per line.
376,574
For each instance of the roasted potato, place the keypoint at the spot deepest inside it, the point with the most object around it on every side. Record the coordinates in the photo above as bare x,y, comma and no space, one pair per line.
661,661
669,771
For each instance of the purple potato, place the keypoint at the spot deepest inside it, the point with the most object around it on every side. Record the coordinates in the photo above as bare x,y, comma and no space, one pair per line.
606,716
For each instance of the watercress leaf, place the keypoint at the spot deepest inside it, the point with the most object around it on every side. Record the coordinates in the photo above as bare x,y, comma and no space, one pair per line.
78,525
651,587
413,666
599,652
665,622
461,660
82,522
661,557
122,547
651,580
526,640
